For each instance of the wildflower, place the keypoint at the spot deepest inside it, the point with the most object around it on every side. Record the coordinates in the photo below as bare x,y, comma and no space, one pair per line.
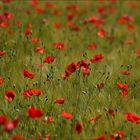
59,101
1,80
67,115
93,120
2,53
57,25
10,95
34,113
125,73
28,74
101,33
59,45
100,138
119,135
69,70
11,124
28,32
124,88
132,118
78,128
96,58
39,50
48,59
3,119
30,92
35,40
4,24
92,46
111,112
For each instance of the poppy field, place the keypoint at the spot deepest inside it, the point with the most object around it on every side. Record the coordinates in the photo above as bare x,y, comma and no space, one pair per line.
70,70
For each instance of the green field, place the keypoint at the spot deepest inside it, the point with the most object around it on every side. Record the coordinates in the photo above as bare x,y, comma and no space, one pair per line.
69,70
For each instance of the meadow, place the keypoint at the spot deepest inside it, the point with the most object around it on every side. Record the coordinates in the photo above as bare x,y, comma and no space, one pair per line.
70,70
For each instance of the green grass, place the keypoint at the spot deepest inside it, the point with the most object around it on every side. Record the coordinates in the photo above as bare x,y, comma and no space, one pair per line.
82,98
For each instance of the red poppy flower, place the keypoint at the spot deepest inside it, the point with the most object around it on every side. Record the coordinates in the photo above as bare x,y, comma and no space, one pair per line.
10,95
101,10
97,58
28,32
59,45
132,118
10,125
49,119
35,40
67,115
137,51
100,85
1,80
39,10
69,24
6,1
112,10
125,72
98,24
69,70
92,19
130,26
48,59
79,128
75,28
111,112
86,71
74,66
3,119
17,137
122,20
128,18
17,23
119,135
72,7
34,113
34,2
49,5
83,63
10,31
57,25
71,16
125,92
59,101
6,16
30,92
92,46
103,137
101,33
2,53
122,86
4,24
57,12
93,120
28,74
39,50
